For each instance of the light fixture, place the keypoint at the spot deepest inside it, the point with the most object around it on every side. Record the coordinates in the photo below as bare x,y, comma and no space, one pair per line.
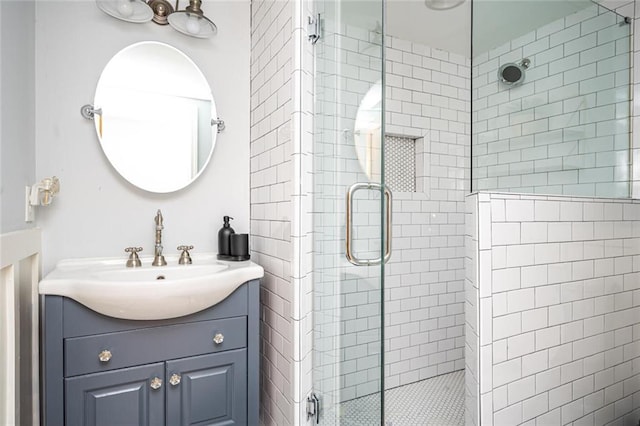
135,11
443,4
190,21
161,11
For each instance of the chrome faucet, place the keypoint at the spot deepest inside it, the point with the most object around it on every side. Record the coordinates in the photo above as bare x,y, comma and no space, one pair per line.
158,258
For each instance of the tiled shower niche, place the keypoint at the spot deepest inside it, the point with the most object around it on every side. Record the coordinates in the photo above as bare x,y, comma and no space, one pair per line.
400,163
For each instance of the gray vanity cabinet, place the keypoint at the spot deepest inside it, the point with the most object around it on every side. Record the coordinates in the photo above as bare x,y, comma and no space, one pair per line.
201,369
119,397
208,390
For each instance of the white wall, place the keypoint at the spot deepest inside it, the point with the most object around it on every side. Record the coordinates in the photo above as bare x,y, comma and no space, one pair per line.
17,109
97,212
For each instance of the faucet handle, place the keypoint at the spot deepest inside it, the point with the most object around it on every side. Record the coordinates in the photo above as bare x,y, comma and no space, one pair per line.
134,260
185,258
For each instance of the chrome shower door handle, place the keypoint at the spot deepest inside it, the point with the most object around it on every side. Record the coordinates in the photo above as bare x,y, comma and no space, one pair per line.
349,234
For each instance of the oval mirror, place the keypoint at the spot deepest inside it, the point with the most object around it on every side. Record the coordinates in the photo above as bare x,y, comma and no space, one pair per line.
154,112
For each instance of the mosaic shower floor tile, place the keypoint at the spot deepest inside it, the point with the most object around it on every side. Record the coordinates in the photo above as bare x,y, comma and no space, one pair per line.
438,401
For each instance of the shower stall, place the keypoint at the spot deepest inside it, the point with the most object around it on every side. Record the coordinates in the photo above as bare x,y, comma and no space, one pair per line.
464,238
535,101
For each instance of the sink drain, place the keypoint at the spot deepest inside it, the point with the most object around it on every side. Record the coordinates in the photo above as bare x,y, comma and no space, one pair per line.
160,277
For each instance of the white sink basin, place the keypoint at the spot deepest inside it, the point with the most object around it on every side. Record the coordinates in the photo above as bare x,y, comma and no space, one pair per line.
167,273
148,293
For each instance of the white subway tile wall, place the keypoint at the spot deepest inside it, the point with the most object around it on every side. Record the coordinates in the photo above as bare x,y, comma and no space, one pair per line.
281,86
427,98
566,129
561,310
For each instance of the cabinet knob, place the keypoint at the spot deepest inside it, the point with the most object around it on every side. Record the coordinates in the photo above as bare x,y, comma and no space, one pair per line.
218,338
175,379
104,356
156,383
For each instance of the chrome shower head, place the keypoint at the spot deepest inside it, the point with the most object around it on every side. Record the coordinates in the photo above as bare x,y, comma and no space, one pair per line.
512,74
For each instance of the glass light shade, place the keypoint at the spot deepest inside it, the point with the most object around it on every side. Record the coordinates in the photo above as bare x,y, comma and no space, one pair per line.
443,4
192,24
136,11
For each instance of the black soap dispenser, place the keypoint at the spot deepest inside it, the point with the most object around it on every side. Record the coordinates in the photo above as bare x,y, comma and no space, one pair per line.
224,239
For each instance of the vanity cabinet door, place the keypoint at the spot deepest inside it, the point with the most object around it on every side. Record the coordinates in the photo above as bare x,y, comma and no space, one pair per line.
208,389
130,396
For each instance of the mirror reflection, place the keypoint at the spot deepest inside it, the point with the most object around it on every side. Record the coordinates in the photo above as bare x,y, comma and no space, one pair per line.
155,124
367,132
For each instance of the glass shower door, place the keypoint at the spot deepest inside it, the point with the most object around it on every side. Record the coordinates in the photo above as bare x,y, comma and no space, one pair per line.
351,214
